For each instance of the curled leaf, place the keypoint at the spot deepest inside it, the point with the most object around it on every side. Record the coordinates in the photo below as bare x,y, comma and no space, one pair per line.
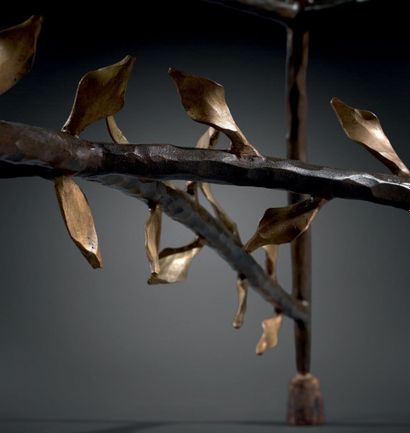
284,224
269,338
17,51
152,237
115,132
364,127
78,219
271,253
174,263
219,211
208,139
100,94
242,286
204,101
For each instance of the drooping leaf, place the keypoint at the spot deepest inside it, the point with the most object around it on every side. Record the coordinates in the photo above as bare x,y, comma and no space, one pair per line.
174,263
152,237
271,253
269,338
364,128
100,94
284,224
204,101
219,211
78,219
242,286
115,132
208,139
17,51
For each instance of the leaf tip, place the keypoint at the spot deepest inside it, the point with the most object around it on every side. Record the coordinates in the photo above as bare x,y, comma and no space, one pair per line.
175,73
94,258
237,323
260,349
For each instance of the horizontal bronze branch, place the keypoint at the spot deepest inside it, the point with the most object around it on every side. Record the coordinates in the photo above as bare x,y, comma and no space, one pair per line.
32,151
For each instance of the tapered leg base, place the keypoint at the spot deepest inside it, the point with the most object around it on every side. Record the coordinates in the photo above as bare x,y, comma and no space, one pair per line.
305,404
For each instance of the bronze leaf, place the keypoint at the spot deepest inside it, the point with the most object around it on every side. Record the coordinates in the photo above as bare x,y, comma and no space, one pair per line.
174,263
17,51
78,219
219,211
115,132
271,253
204,101
242,286
100,94
208,139
364,128
284,224
269,338
152,237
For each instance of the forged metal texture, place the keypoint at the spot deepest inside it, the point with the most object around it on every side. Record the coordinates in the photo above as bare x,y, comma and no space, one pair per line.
180,207
40,152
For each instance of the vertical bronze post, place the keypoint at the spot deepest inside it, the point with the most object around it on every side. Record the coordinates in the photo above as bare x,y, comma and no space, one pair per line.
305,406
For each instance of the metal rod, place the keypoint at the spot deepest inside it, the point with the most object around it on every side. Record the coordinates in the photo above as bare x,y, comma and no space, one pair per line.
296,68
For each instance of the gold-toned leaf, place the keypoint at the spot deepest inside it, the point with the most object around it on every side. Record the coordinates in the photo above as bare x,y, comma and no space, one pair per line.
270,333
174,263
219,211
17,51
271,253
100,94
364,128
242,286
284,224
152,237
78,219
204,101
115,132
208,139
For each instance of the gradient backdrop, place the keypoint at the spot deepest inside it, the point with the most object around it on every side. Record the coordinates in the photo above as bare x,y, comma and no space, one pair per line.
78,344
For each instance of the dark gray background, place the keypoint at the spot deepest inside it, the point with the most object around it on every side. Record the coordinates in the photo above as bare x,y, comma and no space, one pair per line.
78,344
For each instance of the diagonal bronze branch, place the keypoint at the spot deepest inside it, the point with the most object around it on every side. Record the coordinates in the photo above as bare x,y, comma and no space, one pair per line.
32,151
183,209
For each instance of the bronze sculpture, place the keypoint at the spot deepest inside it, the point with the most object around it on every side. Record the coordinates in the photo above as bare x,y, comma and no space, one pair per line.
208,160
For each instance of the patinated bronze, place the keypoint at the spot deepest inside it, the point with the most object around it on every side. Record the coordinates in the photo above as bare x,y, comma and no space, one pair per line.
144,171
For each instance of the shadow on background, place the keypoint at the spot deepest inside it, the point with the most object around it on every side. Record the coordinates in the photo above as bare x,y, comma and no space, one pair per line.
130,426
